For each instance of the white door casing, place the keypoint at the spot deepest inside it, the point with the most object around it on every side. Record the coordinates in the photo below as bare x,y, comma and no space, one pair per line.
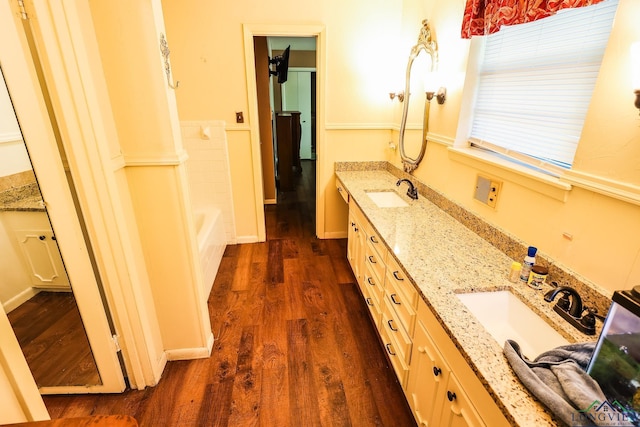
29,105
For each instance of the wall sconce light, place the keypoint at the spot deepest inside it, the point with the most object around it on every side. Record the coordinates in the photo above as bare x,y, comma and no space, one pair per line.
431,83
399,95
635,71
441,95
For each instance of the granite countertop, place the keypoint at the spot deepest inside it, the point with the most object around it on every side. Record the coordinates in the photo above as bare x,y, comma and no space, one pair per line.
442,257
25,198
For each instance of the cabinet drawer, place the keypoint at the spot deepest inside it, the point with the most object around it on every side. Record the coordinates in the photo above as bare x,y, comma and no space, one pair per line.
375,262
396,333
373,284
399,365
342,191
375,242
401,283
405,312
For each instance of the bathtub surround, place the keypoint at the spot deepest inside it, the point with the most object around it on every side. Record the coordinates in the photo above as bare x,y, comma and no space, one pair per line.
592,294
208,170
210,188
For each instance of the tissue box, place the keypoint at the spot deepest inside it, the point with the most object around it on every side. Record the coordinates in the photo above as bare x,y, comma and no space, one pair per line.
615,363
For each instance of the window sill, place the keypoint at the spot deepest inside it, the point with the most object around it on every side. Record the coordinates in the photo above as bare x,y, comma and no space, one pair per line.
537,181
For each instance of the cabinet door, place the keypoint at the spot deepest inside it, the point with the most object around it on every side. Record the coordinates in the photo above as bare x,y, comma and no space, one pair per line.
352,240
457,410
428,377
42,258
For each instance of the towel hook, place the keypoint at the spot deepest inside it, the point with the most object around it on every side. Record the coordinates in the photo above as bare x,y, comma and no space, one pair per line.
164,48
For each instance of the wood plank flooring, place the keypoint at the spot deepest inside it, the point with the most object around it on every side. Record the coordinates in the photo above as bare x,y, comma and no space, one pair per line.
52,338
294,342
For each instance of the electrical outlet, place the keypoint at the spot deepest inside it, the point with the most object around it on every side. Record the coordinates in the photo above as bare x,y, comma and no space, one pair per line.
487,190
494,191
239,117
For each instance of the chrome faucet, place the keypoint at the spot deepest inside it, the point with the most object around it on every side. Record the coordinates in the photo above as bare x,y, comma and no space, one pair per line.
570,307
412,192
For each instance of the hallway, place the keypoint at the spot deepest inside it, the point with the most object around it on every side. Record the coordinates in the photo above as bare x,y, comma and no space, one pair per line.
294,344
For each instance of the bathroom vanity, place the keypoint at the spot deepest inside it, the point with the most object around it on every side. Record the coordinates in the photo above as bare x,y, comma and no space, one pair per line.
411,260
29,245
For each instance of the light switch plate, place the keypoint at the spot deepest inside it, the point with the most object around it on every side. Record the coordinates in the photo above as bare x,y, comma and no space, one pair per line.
483,185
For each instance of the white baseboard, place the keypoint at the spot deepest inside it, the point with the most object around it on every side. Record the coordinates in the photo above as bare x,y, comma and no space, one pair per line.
335,235
191,353
247,239
19,299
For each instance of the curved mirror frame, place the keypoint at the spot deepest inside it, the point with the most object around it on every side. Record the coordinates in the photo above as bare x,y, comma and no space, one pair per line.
426,44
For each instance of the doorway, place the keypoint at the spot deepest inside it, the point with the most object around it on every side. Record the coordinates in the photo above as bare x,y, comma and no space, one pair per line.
287,110
49,286
313,32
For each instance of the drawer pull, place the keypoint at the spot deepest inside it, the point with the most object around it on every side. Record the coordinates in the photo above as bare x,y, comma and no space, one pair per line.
395,274
451,396
393,299
390,323
340,189
369,302
353,224
388,346
372,260
373,239
436,371
371,282
355,229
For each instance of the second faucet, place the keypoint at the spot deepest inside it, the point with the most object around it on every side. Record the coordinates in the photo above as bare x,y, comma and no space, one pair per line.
412,192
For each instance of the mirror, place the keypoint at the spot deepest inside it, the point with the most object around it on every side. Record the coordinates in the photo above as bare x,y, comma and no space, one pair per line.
417,69
34,288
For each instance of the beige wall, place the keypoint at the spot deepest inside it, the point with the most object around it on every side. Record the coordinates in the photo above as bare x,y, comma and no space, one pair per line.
208,58
365,54
605,245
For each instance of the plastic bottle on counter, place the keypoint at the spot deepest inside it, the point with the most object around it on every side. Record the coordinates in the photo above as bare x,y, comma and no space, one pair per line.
514,272
529,262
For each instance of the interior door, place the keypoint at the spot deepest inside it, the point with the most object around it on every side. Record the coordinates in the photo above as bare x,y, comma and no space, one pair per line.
36,128
297,97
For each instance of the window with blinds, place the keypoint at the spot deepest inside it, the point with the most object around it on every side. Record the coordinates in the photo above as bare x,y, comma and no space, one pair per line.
535,84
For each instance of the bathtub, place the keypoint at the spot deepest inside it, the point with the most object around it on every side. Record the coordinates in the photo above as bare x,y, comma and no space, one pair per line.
211,243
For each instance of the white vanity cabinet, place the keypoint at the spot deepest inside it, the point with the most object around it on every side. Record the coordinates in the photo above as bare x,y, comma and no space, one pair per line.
440,386
442,389
35,242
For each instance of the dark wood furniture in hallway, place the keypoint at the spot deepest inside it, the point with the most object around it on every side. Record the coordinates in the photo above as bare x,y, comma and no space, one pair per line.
294,344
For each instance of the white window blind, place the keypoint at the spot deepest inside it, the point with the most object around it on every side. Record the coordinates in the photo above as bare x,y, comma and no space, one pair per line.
536,81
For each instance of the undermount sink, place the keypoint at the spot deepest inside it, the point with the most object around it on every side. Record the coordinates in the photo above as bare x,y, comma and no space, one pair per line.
504,316
386,199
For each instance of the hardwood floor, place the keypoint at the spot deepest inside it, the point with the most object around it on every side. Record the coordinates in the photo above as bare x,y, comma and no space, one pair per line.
52,338
294,342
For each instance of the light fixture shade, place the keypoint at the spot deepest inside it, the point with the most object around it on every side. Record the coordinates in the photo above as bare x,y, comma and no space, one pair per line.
431,82
635,66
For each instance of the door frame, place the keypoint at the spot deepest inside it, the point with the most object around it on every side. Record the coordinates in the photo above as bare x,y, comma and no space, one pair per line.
274,30
37,132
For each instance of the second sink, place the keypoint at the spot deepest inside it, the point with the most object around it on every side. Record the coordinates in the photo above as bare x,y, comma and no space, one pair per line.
505,317
386,199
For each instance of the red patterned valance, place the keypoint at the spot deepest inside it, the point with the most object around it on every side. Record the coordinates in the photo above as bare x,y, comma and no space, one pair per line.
483,17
